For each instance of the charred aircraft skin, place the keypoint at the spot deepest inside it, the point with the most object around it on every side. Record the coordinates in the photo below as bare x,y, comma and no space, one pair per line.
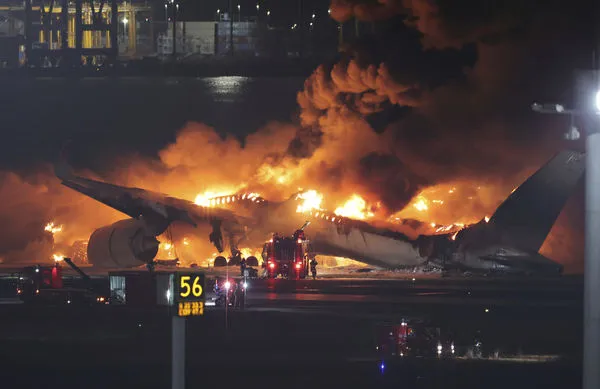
367,247
511,240
508,243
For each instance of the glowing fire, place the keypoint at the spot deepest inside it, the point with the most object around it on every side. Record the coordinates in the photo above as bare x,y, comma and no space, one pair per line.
454,204
311,200
354,208
58,257
448,208
203,199
52,228
247,252
215,199
441,209
421,204
166,250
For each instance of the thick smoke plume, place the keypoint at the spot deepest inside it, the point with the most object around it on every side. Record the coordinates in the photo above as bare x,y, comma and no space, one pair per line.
443,23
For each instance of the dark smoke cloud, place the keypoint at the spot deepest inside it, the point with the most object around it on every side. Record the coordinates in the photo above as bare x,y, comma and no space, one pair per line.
478,124
474,127
365,10
446,23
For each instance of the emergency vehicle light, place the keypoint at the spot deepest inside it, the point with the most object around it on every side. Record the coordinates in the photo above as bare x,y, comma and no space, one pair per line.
271,265
298,265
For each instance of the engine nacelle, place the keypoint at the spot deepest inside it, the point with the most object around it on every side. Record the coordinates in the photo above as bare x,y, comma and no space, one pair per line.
124,244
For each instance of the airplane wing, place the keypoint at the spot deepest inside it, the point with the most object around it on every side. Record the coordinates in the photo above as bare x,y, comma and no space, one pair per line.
158,209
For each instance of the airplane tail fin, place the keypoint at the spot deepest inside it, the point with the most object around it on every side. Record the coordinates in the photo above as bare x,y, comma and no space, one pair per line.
526,217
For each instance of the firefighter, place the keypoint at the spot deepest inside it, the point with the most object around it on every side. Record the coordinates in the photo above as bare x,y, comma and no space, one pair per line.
242,266
234,292
265,272
236,255
241,294
313,268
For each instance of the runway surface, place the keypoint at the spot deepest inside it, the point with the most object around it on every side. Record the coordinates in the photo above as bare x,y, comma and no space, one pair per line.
519,294
307,333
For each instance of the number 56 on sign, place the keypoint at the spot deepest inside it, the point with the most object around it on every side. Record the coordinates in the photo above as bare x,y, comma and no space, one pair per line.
189,287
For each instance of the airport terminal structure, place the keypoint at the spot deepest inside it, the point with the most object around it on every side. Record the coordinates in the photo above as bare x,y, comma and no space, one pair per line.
62,33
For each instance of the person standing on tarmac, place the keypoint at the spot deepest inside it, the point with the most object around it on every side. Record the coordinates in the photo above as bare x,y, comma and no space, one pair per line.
241,291
234,294
313,268
242,266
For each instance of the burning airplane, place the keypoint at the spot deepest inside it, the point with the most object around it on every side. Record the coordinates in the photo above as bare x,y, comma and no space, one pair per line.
508,241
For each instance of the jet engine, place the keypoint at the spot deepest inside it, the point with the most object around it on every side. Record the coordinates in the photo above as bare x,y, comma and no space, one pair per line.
124,244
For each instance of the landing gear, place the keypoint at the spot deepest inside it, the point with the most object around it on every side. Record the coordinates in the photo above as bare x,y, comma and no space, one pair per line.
216,237
252,261
220,261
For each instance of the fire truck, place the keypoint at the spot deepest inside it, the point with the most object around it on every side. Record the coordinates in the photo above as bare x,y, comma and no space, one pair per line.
288,256
414,338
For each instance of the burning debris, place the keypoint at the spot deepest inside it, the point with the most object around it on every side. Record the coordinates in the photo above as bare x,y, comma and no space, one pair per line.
51,228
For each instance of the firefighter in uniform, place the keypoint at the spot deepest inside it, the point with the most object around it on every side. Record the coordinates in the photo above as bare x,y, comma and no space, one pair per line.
313,267
234,294
240,298
242,266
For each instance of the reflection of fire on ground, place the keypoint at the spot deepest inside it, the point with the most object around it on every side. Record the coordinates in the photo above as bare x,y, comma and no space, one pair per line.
326,261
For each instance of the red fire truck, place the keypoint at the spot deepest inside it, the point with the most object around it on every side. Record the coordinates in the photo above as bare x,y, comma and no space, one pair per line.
415,338
288,256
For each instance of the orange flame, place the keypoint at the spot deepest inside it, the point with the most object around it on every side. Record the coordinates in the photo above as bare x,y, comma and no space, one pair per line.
354,208
311,200
52,228
204,199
